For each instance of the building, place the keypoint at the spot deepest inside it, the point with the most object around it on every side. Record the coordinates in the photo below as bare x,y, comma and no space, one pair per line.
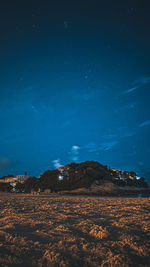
8,180
63,172
123,175
19,178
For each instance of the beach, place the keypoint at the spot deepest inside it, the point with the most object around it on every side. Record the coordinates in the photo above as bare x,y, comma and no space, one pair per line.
55,230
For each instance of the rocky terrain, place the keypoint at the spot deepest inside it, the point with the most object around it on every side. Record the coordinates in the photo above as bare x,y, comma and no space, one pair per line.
55,230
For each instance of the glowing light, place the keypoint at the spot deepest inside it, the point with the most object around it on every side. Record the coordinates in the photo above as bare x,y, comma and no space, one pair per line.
60,177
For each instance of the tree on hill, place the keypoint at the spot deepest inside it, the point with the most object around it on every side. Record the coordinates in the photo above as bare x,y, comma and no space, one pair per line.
7,176
32,183
85,173
49,180
75,176
5,187
133,174
142,182
20,187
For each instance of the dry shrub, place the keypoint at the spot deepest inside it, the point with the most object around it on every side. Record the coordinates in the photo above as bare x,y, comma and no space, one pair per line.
133,242
115,261
79,191
9,260
106,188
62,228
7,226
98,232
52,258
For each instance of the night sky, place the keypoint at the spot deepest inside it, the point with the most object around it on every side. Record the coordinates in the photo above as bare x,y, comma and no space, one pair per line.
74,84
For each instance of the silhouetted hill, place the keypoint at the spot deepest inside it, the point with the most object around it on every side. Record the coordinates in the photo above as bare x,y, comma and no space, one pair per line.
90,175
86,173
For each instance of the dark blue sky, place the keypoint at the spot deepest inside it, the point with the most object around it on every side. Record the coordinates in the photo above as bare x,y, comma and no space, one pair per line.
75,84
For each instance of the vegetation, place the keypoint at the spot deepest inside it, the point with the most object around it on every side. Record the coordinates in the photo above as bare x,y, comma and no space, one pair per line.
128,182
5,187
7,176
49,180
75,176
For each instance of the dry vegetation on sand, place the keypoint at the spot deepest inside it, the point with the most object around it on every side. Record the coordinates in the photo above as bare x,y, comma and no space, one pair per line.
74,231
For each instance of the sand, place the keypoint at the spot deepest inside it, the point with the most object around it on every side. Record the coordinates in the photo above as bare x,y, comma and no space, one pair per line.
53,230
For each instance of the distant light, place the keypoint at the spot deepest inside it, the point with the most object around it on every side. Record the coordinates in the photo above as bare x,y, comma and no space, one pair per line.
60,177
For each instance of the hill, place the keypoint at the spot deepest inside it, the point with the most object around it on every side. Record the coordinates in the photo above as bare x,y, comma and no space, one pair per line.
94,177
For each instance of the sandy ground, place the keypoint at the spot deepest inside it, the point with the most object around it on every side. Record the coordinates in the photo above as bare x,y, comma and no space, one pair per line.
74,231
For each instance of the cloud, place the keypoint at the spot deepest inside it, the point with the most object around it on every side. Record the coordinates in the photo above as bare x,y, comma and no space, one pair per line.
74,153
65,124
91,147
122,133
127,134
142,80
75,148
108,145
109,141
66,24
145,123
130,90
141,163
4,163
56,163
110,136
88,96
138,84
38,108
34,108
128,106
